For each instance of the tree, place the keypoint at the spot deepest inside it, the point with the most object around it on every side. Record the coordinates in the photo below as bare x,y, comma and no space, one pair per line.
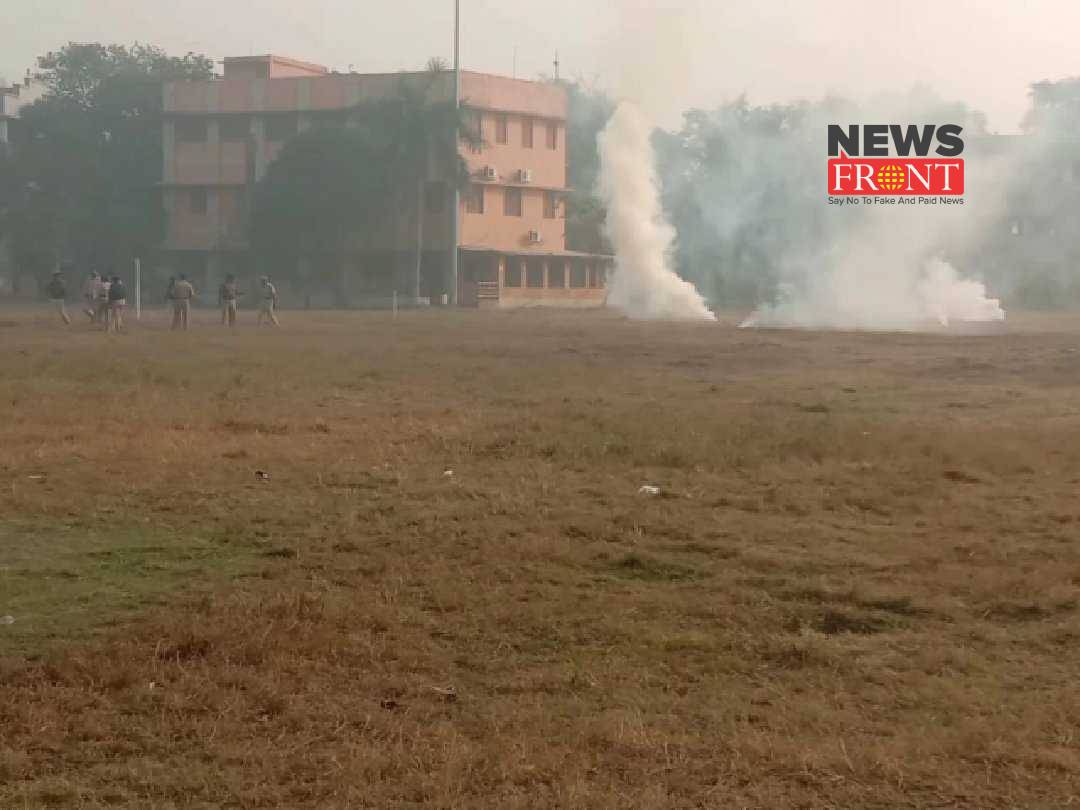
589,111
330,186
90,163
418,131
326,185
1054,106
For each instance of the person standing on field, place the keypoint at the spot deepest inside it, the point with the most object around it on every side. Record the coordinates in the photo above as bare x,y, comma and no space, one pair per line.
89,294
267,311
117,302
101,301
57,292
182,293
228,300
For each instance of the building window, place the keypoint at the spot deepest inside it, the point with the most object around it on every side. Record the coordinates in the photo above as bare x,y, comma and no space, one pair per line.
191,130
512,204
557,275
502,129
474,199
513,273
435,197
235,129
551,205
474,123
280,128
577,275
534,275
553,136
199,200
527,133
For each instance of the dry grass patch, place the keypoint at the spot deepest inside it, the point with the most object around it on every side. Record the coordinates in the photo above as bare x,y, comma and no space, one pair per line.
859,586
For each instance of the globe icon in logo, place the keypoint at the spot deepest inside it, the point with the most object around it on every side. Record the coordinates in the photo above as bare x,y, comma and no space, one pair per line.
891,177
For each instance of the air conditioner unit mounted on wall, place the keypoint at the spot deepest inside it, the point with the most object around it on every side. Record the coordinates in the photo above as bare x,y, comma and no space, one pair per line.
490,174
525,176
535,238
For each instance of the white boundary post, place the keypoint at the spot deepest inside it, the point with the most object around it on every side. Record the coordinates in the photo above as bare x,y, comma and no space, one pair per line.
138,289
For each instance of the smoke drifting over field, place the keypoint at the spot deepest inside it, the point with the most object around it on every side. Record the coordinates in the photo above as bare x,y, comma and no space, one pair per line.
744,188
644,284
892,266
755,228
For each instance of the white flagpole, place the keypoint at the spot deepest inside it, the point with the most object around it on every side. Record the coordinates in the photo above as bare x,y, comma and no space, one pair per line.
138,289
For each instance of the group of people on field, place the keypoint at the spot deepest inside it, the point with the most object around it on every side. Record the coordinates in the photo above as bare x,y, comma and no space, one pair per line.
181,292
106,298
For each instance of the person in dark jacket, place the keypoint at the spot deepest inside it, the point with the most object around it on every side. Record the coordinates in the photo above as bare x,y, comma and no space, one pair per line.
57,292
117,302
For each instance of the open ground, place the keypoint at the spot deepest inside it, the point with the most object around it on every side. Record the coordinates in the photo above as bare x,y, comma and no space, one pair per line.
859,585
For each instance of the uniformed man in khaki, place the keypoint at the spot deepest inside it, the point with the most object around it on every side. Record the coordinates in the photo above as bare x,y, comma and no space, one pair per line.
229,300
182,293
267,310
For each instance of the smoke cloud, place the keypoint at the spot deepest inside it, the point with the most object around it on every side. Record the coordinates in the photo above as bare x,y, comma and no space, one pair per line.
644,284
745,187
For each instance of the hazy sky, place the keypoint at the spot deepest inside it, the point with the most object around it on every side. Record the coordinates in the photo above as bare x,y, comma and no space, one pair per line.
668,54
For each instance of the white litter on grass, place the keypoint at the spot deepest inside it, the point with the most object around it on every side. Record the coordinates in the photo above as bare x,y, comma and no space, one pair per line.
262,476
650,490
7,620
448,474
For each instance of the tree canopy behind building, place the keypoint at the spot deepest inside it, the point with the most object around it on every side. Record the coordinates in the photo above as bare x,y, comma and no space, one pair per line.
358,178
88,164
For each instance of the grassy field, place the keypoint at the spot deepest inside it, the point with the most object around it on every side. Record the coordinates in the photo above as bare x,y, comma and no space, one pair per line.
859,586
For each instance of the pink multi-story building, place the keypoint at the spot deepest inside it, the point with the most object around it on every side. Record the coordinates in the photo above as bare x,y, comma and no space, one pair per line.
221,135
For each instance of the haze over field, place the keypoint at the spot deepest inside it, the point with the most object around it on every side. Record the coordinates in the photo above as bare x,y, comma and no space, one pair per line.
771,49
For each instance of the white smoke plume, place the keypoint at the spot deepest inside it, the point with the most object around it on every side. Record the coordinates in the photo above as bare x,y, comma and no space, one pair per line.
949,299
894,299
644,284
884,270
871,267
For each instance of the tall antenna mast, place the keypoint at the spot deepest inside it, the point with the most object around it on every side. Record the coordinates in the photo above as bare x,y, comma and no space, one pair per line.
556,65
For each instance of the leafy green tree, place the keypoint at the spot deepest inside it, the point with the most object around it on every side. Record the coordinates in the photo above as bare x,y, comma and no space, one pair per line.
332,184
417,132
90,163
590,109
327,185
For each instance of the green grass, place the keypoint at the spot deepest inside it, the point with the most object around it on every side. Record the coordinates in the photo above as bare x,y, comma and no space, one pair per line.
62,582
